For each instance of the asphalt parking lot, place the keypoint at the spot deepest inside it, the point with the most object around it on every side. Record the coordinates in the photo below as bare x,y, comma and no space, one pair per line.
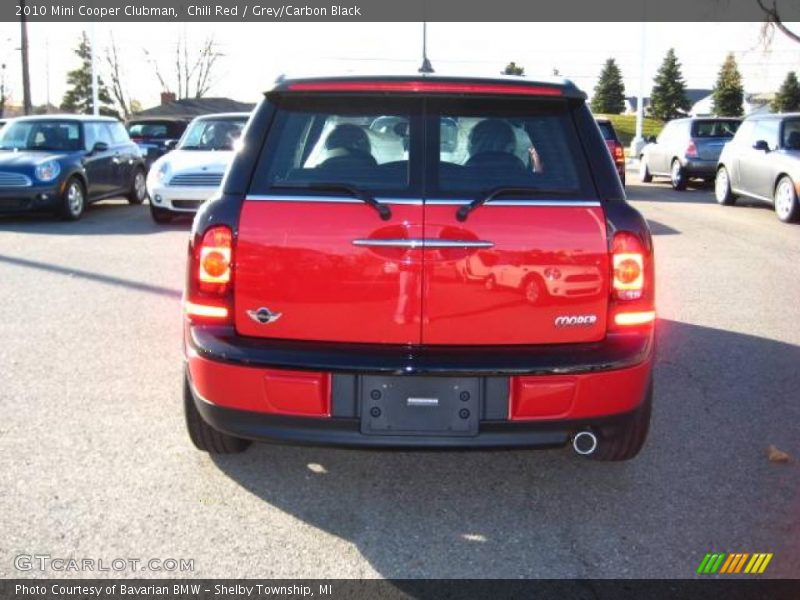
95,461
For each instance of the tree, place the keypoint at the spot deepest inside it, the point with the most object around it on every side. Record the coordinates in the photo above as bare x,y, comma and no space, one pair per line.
513,68
774,22
788,97
78,98
192,76
609,93
668,99
728,91
119,90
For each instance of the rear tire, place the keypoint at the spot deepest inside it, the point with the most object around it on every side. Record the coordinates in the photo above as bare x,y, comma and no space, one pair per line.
160,215
138,191
628,442
722,188
677,176
203,436
644,171
785,199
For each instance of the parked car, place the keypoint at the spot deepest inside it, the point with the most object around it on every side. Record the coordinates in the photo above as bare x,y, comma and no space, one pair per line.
763,162
156,136
179,182
615,147
325,300
63,163
3,123
686,149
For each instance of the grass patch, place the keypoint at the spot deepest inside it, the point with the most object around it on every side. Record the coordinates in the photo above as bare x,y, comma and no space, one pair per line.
625,126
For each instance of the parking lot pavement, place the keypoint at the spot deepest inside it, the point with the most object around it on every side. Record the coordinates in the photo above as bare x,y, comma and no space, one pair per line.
95,462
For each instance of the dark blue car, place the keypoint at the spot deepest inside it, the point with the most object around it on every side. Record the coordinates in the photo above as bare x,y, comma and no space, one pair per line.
62,164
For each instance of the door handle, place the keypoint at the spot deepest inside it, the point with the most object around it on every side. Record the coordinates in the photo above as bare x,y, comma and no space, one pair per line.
422,242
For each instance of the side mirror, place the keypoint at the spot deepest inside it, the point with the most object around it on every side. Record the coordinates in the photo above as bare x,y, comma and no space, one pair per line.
761,145
99,147
170,144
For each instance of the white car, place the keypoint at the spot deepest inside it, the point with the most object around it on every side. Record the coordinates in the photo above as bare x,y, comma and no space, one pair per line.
181,180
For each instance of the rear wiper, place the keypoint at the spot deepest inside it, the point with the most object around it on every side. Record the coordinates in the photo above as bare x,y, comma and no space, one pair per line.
383,210
463,211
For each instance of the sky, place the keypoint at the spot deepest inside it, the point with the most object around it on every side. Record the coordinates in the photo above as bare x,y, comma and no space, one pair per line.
254,54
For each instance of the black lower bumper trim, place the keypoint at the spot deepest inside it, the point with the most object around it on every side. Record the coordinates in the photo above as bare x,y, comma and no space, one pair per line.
346,432
616,351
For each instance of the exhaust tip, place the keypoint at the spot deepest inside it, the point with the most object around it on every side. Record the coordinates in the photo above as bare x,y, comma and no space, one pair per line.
584,442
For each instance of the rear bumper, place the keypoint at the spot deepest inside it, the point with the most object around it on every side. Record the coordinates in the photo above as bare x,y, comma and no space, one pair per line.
311,393
696,167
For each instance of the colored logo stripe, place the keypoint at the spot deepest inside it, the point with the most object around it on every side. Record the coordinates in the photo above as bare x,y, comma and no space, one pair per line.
722,562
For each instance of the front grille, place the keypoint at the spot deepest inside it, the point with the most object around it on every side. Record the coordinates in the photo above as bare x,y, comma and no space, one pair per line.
187,203
14,180
197,179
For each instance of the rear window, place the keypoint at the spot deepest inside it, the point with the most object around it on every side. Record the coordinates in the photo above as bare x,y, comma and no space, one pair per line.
607,129
156,129
714,129
436,147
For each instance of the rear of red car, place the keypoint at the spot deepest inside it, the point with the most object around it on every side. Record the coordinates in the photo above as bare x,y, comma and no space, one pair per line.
422,262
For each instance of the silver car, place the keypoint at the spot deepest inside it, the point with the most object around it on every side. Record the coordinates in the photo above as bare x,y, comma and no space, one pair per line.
763,162
685,149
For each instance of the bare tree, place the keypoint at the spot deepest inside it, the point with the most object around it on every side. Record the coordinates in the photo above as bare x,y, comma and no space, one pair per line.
118,88
192,76
773,22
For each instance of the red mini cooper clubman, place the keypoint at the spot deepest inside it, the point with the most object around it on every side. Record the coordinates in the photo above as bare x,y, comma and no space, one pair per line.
426,262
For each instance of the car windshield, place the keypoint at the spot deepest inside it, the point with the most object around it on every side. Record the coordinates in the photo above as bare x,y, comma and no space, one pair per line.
41,135
213,134
715,129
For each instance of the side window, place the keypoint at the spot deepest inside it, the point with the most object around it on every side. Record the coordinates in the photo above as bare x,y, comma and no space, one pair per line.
104,133
118,134
791,135
90,135
97,132
767,130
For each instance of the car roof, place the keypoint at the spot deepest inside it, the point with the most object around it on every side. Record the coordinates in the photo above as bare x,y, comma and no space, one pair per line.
67,117
228,115
772,116
361,82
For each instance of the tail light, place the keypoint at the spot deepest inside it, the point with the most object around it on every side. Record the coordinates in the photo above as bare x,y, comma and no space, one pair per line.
632,282
209,286
619,153
691,150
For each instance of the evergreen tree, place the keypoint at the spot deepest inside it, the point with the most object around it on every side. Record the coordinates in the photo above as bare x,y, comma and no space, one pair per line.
78,98
728,92
513,68
609,93
788,97
668,99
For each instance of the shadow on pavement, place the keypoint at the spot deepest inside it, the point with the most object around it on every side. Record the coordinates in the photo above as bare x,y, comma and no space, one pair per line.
702,483
112,217
657,228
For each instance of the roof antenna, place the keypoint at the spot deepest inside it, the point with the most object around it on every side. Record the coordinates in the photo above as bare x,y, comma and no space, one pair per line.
426,64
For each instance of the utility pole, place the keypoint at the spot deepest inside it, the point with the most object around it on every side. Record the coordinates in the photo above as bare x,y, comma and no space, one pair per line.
26,77
95,103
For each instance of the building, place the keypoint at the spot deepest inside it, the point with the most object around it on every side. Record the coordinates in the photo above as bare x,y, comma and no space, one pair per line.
189,108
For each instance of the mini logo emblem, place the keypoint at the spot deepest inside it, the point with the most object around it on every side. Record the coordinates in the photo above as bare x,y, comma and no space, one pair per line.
575,320
263,315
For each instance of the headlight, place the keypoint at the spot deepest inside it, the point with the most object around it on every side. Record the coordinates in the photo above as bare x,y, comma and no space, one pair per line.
162,171
47,171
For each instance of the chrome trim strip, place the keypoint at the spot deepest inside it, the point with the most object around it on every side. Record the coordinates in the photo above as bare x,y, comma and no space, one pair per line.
557,203
422,242
420,202
330,199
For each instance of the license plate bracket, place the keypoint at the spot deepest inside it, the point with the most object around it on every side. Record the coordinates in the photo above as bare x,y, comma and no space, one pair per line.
422,406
